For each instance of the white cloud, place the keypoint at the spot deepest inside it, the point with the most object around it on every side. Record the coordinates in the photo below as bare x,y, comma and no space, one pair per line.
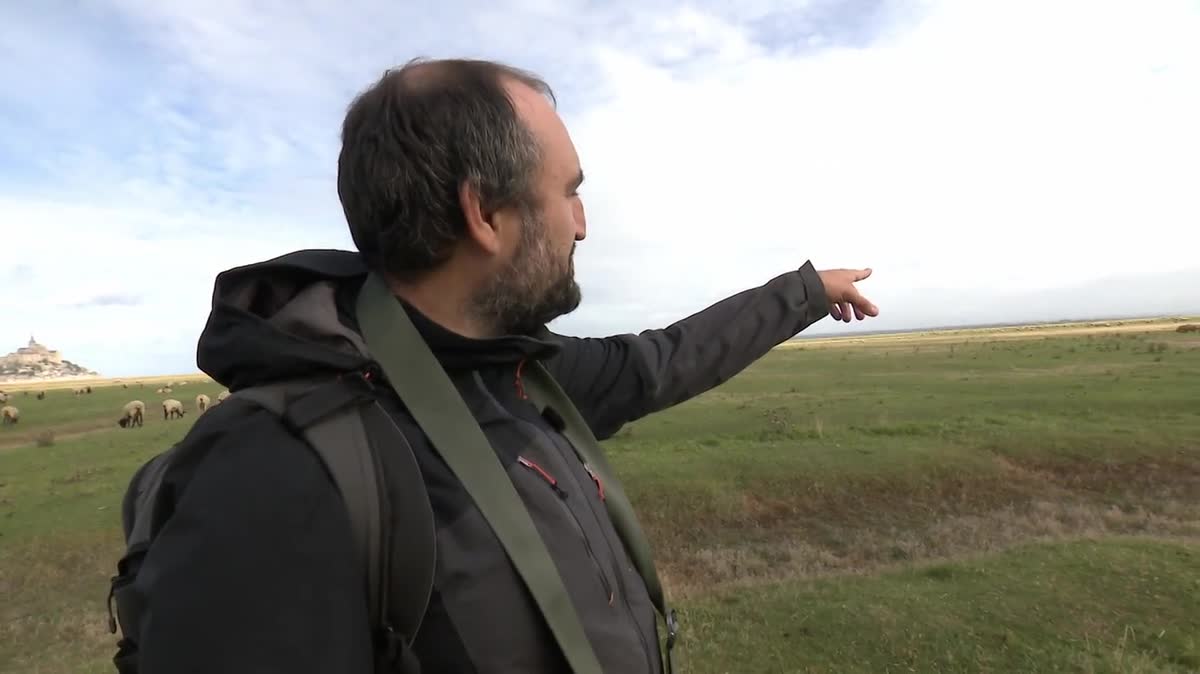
978,156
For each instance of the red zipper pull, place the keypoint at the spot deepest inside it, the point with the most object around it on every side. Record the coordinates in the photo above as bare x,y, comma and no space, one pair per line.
596,479
546,476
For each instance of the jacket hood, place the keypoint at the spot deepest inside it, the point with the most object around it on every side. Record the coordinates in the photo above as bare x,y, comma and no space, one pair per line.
293,316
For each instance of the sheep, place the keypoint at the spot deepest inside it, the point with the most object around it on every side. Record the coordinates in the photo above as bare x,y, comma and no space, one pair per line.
166,390
132,414
202,402
3,397
172,408
41,395
222,396
9,415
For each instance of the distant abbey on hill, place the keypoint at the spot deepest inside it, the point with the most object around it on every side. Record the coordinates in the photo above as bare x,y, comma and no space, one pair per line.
36,361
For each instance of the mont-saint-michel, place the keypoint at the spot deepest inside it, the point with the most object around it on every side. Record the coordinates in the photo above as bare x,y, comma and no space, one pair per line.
35,361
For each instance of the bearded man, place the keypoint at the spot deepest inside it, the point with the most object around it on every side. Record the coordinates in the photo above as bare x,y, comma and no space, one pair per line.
459,183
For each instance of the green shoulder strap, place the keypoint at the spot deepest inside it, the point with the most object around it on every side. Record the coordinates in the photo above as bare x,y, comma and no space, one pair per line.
546,392
426,389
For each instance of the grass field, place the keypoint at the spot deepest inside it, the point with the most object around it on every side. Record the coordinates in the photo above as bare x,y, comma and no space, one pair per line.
951,502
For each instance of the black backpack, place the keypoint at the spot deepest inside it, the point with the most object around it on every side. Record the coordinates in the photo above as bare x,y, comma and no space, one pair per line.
336,418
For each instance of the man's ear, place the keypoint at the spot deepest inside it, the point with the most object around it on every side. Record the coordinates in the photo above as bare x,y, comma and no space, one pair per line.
482,225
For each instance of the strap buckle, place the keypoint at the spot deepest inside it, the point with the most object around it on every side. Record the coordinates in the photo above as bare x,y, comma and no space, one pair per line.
672,628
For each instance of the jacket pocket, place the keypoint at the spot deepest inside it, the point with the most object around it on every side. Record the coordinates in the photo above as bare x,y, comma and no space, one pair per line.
552,482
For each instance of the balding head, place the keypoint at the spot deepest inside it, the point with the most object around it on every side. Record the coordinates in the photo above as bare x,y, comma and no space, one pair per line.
459,182
411,139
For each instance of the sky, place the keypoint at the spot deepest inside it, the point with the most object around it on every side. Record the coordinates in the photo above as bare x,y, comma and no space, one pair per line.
990,161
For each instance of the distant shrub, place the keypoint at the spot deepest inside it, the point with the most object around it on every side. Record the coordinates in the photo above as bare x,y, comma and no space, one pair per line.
44,439
1188,327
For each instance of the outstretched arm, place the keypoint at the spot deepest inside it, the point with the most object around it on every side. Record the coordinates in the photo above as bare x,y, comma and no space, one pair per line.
615,380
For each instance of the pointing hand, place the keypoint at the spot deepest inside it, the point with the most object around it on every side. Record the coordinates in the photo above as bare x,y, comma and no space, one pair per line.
843,295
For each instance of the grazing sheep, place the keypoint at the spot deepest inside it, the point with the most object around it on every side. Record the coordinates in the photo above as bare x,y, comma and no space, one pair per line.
3,397
132,414
172,408
222,396
41,395
166,390
203,402
9,415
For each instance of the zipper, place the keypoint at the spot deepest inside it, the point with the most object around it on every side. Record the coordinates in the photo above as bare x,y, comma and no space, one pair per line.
562,496
393,642
392,639
612,554
618,569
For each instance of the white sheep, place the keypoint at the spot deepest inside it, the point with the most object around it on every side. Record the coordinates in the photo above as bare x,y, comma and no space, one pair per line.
202,402
3,397
222,396
9,415
132,414
166,390
172,408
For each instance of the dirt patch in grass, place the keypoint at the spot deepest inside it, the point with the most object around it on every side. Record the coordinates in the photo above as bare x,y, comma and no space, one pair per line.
864,525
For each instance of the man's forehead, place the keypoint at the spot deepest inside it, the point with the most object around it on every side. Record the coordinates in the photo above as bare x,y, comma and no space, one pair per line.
530,103
539,113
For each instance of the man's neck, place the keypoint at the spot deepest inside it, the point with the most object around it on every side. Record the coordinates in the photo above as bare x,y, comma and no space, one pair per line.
443,303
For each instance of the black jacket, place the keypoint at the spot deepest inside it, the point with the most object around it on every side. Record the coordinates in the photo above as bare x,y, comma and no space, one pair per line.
255,572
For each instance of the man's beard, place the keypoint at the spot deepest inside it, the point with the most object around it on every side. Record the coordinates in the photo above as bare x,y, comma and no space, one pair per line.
534,288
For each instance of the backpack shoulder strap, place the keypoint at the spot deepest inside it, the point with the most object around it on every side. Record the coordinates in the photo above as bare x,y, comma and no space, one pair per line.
421,382
547,393
344,424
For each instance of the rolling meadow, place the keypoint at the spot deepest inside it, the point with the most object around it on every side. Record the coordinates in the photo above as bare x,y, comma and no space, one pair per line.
1010,500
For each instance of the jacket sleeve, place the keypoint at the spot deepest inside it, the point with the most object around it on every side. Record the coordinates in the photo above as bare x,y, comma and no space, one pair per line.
618,379
255,571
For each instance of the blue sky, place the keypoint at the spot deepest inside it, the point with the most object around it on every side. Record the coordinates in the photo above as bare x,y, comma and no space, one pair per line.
991,161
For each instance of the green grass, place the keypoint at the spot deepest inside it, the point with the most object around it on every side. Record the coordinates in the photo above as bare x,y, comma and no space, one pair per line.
1009,505
1088,606
65,414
